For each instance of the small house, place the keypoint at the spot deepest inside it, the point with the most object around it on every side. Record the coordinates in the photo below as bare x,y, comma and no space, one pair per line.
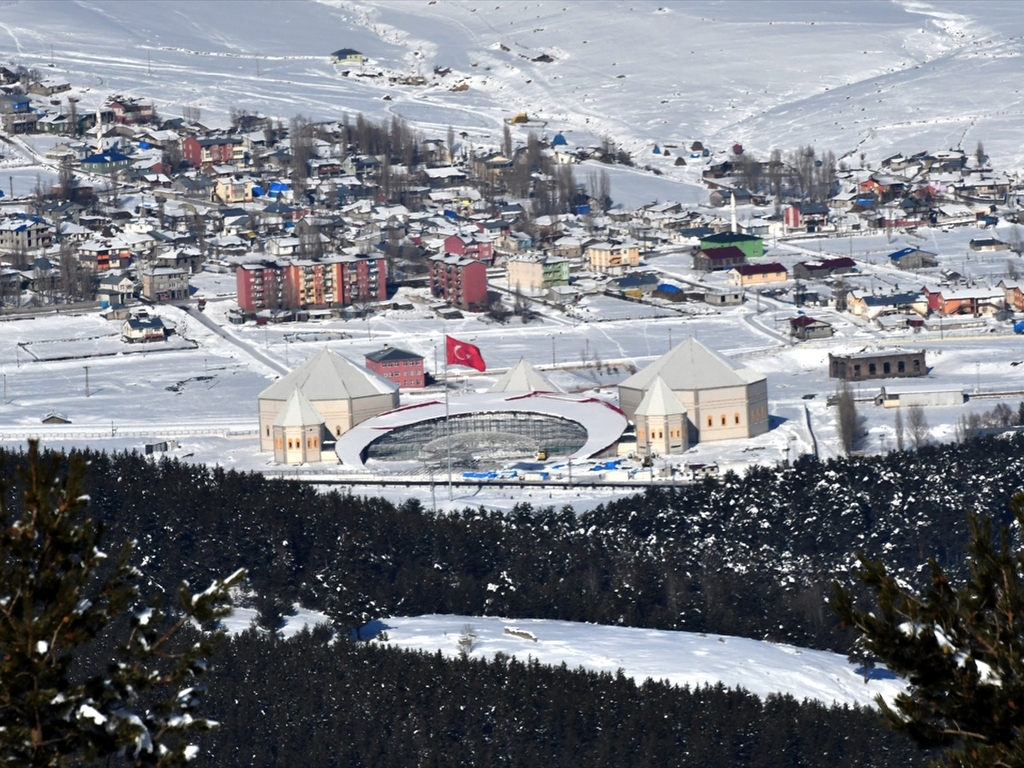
143,329
804,328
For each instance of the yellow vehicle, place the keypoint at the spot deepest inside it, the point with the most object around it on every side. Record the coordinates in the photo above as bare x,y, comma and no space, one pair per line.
542,454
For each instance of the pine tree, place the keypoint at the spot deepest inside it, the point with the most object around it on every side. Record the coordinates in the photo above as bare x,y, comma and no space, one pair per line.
960,648
58,593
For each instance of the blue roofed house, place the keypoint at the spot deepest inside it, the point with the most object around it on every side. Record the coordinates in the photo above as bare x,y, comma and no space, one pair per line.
913,258
106,163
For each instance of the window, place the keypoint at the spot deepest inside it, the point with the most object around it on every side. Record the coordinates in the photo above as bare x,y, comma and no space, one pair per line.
641,434
277,443
917,366
337,431
856,371
289,443
316,441
709,421
872,369
886,368
736,418
268,431
309,442
661,434
723,419
901,366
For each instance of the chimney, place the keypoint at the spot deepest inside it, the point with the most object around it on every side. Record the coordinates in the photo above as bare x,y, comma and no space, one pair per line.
732,205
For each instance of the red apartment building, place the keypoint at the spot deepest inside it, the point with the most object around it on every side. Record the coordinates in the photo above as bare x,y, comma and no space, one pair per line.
337,282
470,247
461,282
403,368
212,150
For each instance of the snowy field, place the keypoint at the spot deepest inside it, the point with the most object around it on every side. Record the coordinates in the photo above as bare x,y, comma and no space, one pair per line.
874,77
680,658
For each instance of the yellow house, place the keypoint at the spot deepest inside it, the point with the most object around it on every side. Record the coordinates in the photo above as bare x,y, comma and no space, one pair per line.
613,258
536,273
233,190
757,274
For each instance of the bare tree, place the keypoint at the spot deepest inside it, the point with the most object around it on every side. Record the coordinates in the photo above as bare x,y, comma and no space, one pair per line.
979,153
898,425
848,423
300,134
191,112
599,188
72,116
918,426
66,177
1016,239
450,146
776,174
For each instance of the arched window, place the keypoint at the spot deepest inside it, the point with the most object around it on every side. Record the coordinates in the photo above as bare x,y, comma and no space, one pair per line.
316,441
268,431
723,419
901,366
886,368
709,421
872,369
736,418
289,443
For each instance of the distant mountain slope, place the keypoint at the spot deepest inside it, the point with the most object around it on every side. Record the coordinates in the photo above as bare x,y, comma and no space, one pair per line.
681,658
871,76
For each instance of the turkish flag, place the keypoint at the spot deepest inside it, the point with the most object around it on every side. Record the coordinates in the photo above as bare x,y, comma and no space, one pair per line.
461,353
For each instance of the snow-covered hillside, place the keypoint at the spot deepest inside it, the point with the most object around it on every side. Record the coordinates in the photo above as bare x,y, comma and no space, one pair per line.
681,658
872,77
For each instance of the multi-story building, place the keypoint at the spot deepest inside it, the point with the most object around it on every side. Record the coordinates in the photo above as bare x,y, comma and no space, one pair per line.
213,150
164,284
403,368
535,273
613,258
334,282
259,286
24,234
460,282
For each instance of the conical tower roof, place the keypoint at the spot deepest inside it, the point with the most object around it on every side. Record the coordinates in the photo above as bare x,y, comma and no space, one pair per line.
690,366
298,412
523,377
327,376
660,400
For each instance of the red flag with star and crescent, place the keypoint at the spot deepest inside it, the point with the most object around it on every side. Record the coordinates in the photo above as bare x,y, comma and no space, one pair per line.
461,353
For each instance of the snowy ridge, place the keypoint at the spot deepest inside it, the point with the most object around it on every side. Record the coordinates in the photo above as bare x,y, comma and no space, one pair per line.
681,658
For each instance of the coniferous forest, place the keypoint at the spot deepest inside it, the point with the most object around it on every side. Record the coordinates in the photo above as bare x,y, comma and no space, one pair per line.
750,556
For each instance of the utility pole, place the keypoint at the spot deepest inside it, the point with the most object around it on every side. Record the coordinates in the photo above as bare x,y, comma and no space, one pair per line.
553,350
86,380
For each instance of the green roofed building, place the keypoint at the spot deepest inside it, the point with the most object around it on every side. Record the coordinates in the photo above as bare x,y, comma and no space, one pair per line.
752,246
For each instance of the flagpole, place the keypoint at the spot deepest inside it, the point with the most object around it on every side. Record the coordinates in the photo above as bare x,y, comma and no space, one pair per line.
447,424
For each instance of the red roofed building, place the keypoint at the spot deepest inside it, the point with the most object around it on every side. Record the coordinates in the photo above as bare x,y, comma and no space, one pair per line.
718,258
757,274
403,368
470,247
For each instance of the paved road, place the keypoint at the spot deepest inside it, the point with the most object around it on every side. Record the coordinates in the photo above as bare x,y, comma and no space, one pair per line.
249,349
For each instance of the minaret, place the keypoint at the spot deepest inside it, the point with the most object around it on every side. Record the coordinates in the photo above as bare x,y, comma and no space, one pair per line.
732,205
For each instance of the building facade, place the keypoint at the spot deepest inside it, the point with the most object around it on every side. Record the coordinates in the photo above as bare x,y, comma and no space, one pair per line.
886,364
459,281
402,367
